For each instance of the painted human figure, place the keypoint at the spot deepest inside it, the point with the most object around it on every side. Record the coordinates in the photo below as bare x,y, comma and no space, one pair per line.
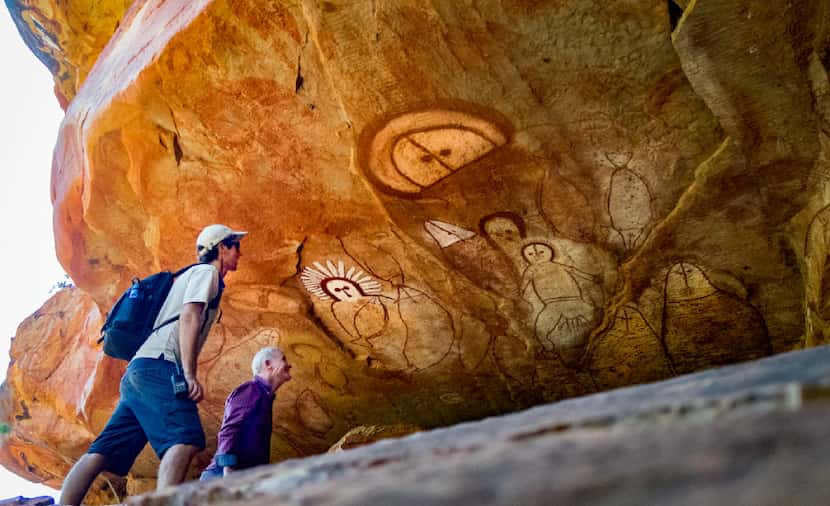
506,231
563,313
629,207
379,323
354,302
380,327
363,316
475,257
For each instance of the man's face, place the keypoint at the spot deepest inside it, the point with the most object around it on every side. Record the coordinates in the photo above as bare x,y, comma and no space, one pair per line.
230,255
279,370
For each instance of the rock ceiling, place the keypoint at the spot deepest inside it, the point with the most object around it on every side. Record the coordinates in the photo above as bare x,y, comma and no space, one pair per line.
455,209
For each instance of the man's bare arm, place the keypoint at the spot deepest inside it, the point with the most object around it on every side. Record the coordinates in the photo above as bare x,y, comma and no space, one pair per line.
190,322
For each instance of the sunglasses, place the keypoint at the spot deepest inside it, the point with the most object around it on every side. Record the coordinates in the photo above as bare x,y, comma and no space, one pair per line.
231,245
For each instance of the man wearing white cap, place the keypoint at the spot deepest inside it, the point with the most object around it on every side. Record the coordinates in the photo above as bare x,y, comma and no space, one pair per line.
149,409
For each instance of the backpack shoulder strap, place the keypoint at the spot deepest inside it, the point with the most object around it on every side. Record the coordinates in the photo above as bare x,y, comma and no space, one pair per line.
213,303
184,269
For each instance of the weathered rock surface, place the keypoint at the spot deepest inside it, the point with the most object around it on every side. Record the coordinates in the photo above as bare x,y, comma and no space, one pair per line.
361,436
67,36
456,211
58,390
751,434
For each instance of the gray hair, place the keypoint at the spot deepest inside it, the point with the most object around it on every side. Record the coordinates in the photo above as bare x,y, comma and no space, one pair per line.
269,352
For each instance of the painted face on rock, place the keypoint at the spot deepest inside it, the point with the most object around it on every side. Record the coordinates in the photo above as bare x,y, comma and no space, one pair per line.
502,230
537,253
333,281
342,289
417,150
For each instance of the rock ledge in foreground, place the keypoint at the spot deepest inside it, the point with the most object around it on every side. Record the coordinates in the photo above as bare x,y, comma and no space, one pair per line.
755,431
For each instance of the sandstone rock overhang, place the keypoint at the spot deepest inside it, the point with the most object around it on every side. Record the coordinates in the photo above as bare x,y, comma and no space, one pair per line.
67,36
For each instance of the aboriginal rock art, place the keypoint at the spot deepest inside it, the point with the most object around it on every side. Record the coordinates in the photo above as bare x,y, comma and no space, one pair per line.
512,195
451,398
407,330
488,173
506,231
334,282
510,192
447,234
427,326
355,302
551,289
630,352
629,206
473,256
704,326
416,150
563,310
619,159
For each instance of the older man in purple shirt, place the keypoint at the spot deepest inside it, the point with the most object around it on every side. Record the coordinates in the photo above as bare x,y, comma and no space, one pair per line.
244,440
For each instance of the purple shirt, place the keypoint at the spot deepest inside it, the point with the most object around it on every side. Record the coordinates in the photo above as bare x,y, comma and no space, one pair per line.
244,440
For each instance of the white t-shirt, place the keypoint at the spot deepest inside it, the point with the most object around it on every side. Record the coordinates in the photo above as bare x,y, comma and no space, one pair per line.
197,284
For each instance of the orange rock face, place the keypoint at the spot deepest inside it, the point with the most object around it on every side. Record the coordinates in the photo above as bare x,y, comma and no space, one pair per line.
58,389
67,36
455,211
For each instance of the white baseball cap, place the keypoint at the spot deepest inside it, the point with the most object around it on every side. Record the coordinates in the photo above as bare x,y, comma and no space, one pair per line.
212,235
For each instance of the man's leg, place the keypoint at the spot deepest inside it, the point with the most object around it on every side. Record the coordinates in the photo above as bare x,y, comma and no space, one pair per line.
171,424
114,450
174,465
80,477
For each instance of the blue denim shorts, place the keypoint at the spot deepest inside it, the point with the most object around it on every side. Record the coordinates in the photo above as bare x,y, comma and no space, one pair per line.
147,411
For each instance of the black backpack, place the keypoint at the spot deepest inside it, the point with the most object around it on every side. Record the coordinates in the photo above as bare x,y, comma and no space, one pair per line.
130,321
